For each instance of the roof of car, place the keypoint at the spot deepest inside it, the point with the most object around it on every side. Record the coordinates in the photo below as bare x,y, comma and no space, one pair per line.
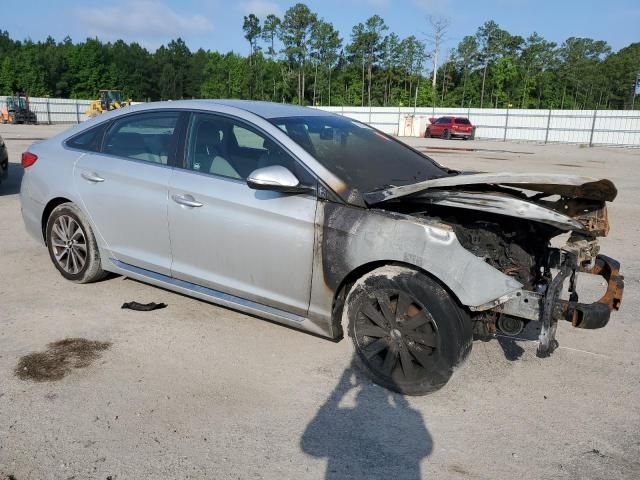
262,109
271,109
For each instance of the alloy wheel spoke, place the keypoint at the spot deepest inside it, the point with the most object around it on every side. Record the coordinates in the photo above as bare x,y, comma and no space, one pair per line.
59,231
372,331
374,315
82,257
406,362
416,321
74,261
404,301
77,234
375,347
425,338
385,307
390,360
420,355
61,254
67,261
70,227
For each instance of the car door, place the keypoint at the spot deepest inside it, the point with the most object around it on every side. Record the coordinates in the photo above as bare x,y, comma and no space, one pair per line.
257,245
436,128
124,188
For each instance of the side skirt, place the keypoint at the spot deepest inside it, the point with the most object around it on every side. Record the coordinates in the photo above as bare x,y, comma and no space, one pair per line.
215,296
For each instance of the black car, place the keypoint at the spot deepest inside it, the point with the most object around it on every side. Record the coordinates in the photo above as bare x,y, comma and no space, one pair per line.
4,161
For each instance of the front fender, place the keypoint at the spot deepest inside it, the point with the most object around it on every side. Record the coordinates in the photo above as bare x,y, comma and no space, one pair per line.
349,237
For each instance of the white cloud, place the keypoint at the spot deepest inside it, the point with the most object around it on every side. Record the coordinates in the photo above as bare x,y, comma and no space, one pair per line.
140,19
261,8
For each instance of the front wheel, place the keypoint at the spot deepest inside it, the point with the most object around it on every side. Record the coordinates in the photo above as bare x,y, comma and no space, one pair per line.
446,135
408,332
72,245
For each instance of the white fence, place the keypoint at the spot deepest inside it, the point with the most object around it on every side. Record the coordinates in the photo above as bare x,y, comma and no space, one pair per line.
589,127
57,110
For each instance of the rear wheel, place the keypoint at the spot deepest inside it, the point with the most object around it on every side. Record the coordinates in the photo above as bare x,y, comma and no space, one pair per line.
72,245
407,330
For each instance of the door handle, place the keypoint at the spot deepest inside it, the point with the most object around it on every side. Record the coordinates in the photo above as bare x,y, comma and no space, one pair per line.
92,177
186,200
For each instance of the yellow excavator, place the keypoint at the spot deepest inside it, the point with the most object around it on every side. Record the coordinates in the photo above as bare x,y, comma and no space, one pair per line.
108,100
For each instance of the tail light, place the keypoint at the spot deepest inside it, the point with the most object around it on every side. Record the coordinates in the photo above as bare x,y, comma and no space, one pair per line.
28,159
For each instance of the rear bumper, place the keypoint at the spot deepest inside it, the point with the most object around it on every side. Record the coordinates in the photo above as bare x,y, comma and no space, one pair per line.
596,314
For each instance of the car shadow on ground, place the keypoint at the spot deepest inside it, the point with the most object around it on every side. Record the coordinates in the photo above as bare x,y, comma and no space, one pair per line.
367,432
11,185
511,344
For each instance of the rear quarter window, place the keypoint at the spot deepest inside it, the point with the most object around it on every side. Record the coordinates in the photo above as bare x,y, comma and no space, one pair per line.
463,121
88,140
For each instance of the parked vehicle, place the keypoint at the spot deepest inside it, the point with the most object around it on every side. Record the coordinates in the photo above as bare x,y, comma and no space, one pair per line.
321,223
450,127
4,160
107,100
18,110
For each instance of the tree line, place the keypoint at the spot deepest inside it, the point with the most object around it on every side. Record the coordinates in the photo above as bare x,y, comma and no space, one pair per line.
301,58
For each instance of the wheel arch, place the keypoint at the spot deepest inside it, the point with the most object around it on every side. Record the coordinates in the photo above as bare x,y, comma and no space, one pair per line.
46,213
358,272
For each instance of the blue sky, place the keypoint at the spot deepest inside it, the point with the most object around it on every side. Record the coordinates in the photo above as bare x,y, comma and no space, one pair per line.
217,24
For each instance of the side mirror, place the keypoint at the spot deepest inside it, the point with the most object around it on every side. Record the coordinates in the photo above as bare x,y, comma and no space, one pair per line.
275,178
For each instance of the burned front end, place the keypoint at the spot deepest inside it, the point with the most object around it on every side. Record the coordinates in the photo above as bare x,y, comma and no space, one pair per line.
511,221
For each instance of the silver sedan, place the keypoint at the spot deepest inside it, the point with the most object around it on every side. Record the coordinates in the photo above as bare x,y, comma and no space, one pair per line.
321,223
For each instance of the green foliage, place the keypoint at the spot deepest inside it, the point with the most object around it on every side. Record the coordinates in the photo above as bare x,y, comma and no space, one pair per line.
301,58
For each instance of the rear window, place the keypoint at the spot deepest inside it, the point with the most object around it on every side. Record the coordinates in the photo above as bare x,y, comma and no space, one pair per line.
145,136
463,121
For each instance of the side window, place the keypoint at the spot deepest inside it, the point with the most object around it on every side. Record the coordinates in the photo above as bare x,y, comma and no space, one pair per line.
89,140
228,148
147,136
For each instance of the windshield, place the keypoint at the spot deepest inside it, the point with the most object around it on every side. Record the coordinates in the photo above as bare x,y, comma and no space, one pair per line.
362,157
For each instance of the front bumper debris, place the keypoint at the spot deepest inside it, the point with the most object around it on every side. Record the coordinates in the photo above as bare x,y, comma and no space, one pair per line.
548,308
597,314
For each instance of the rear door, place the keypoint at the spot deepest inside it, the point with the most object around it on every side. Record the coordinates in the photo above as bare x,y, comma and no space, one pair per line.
124,188
256,245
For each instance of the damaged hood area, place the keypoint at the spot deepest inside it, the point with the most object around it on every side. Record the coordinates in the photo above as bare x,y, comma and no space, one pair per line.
581,207
570,186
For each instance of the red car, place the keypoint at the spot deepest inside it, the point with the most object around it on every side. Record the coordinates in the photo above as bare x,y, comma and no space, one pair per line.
450,127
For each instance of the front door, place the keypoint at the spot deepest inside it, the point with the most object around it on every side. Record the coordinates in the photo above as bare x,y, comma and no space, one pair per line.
257,245
124,188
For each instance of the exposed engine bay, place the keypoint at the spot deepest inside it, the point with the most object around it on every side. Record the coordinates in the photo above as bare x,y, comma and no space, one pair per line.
510,225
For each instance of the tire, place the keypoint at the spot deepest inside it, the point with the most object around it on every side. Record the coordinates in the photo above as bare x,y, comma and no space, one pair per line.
72,245
446,135
427,133
413,351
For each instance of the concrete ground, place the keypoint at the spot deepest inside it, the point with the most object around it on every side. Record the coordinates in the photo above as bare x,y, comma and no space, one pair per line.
199,391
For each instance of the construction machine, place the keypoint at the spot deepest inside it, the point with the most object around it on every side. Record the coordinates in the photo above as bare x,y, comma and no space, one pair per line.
108,100
16,110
